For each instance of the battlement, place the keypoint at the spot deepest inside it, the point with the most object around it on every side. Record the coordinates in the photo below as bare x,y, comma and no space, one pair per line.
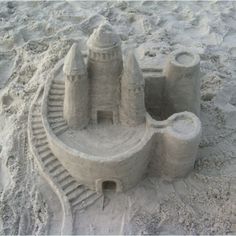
105,55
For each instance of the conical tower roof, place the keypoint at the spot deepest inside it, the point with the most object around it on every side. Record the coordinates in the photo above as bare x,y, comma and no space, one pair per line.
74,62
132,71
104,37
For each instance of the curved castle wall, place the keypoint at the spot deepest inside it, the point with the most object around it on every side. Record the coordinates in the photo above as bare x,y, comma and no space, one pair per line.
170,145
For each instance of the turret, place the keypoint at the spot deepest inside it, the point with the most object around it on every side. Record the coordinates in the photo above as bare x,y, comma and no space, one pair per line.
182,85
75,110
132,111
104,68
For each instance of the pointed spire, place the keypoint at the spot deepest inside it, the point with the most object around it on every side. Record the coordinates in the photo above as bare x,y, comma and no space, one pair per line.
74,62
133,73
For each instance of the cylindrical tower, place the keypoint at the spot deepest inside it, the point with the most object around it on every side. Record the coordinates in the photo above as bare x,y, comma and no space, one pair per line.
104,69
177,146
132,109
182,85
75,110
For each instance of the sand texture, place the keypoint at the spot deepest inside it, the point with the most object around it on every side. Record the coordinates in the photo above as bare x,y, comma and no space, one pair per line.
34,36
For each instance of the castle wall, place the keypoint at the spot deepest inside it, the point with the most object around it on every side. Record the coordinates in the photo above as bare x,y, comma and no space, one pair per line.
127,168
75,109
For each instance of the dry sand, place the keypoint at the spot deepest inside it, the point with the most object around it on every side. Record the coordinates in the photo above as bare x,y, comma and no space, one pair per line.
36,35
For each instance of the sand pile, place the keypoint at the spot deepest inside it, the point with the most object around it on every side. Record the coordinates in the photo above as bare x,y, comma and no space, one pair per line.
34,36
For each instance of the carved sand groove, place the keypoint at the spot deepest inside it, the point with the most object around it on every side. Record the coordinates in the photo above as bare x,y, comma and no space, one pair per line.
73,196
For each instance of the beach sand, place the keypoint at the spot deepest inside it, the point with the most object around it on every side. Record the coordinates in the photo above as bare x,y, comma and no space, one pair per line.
34,36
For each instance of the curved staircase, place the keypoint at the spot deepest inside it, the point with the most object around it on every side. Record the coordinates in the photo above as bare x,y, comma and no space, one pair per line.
73,195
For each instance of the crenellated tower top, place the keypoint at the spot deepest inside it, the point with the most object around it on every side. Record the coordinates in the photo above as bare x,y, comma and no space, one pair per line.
104,44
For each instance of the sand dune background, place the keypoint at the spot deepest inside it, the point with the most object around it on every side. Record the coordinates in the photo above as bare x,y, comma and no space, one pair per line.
34,36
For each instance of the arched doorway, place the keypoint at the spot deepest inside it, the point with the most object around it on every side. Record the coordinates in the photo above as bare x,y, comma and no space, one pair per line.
109,186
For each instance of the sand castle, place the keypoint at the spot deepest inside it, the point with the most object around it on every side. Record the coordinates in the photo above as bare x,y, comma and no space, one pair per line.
102,122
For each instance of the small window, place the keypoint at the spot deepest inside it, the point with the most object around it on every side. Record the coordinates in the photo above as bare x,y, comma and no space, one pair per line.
105,117
109,186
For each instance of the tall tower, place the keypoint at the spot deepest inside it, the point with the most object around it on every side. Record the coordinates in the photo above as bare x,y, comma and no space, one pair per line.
76,89
132,110
104,69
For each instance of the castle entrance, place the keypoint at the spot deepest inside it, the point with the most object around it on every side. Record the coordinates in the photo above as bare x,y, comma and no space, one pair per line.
105,117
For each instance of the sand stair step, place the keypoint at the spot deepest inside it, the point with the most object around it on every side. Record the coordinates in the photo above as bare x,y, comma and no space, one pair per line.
36,115
58,124
55,104
40,143
52,164
58,85
42,136
46,155
49,161
59,171
61,129
62,177
54,91
36,121
55,114
54,108
71,187
38,131
87,202
37,105
75,191
66,182
43,148
55,98
58,82
55,120
85,199
38,125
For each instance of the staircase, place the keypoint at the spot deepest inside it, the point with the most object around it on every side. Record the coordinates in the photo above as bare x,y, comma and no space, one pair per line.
79,196
55,107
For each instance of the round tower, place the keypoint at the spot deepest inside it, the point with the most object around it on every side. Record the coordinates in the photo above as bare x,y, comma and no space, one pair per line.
104,70
132,111
75,110
182,84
